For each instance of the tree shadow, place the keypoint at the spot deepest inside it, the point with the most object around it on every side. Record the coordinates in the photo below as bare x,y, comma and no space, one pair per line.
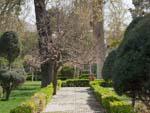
92,102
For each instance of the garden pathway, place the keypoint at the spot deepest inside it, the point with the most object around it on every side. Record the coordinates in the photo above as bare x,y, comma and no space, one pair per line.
74,100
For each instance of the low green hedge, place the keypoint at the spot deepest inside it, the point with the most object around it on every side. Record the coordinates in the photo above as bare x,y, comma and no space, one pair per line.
109,99
59,84
37,102
84,76
75,83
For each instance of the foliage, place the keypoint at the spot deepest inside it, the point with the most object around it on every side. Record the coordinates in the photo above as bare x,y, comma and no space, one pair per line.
107,70
75,83
114,43
37,102
59,84
67,71
3,62
84,76
9,46
141,108
142,7
109,99
9,80
131,67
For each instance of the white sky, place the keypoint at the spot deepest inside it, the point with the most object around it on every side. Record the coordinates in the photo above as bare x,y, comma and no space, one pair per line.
29,15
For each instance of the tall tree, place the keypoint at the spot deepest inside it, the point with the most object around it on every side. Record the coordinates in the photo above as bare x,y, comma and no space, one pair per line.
98,32
45,41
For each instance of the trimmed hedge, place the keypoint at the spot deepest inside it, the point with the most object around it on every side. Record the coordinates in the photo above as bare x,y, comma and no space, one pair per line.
59,84
75,83
84,76
37,102
109,99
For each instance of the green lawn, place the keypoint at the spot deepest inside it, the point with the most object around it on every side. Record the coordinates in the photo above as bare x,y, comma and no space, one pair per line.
19,95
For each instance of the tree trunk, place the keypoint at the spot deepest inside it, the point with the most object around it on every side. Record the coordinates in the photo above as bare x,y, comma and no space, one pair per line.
55,83
133,99
98,33
45,39
47,73
4,91
32,76
8,91
55,79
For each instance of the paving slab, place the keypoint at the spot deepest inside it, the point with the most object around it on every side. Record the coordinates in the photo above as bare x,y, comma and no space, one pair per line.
74,100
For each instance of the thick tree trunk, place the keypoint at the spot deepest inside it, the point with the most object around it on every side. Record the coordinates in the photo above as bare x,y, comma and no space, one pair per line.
44,31
8,91
98,33
47,73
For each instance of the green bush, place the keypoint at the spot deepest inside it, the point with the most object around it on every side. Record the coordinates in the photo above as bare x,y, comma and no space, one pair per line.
9,80
106,84
75,83
84,76
107,70
9,46
59,84
109,99
3,63
67,71
131,70
24,108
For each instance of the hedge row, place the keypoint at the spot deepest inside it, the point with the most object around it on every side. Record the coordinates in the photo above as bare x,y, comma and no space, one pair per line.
75,83
109,99
38,101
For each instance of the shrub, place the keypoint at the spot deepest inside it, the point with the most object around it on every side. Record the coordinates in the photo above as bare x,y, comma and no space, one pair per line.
59,84
109,99
84,76
107,70
24,108
131,68
9,80
106,84
75,83
67,72
9,46
3,62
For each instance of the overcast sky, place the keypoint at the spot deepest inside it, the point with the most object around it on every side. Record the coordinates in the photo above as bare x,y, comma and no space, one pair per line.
29,15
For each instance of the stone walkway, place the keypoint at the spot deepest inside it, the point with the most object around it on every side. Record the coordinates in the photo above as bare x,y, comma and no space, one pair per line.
74,100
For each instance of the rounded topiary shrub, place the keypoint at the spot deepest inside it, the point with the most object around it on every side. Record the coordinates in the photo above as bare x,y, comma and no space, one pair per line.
9,46
108,66
9,80
131,70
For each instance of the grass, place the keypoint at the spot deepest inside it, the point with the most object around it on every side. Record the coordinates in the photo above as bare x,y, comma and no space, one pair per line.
19,95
